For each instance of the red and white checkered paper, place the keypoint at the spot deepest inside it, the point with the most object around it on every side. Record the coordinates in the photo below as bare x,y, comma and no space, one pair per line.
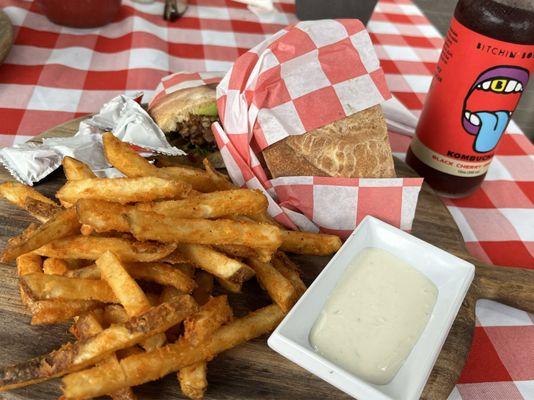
292,83
183,80
54,74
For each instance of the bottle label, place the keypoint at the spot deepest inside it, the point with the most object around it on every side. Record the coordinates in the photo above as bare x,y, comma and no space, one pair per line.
476,87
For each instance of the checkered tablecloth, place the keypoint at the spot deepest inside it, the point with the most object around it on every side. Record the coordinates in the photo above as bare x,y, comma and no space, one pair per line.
54,74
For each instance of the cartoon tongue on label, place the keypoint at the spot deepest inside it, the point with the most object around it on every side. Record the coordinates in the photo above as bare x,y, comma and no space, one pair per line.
489,104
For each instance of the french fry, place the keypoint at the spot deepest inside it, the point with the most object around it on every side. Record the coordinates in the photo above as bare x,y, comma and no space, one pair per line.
46,287
211,205
290,271
20,195
55,266
92,247
317,244
123,190
47,312
199,327
279,288
157,272
75,356
102,215
126,289
28,263
220,181
231,287
76,170
62,224
146,225
217,263
125,159
39,209
128,292
197,178
146,367
116,314
177,258
239,251
193,380
23,236
89,325
207,320
202,292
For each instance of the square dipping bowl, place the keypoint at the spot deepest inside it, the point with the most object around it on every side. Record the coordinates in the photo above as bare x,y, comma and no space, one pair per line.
451,275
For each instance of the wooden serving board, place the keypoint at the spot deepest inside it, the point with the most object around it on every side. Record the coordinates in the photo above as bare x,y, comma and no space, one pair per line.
252,370
6,35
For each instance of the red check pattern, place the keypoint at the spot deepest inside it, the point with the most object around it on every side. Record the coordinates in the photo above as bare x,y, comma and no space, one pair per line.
53,74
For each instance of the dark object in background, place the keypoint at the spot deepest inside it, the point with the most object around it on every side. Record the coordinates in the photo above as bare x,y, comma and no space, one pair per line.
326,9
174,9
80,13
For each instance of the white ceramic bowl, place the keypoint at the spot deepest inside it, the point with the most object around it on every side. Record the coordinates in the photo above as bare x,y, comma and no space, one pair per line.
451,275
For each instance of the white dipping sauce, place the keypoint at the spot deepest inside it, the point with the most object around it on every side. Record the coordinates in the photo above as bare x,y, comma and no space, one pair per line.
374,316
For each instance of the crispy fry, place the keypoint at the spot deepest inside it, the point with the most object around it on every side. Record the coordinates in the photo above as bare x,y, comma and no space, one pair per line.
126,289
202,292
146,367
89,325
146,225
46,312
125,159
217,263
28,263
158,272
24,235
196,177
102,215
220,181
92,247
239,251
290,271
76,170
199,327
207,320
231,287
193,380
86,230
39,209
64,223
46,287
20,195
123,190
55,266
178,259
130,295
317,244
211,205
75,356
116,314
279,288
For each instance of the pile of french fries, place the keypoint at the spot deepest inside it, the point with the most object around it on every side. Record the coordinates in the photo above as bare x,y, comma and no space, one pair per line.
179,228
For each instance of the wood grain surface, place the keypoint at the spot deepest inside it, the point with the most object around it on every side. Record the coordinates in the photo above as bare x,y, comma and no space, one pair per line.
253,371
6,35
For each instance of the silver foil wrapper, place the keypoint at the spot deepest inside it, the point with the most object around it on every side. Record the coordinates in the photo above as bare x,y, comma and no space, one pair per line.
31,162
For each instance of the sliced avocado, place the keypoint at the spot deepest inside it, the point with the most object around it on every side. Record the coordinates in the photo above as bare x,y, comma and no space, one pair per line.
209,109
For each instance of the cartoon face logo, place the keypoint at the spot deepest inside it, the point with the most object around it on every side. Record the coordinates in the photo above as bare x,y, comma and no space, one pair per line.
490,102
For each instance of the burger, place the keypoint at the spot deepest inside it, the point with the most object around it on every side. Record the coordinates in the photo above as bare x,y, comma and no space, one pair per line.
185,117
